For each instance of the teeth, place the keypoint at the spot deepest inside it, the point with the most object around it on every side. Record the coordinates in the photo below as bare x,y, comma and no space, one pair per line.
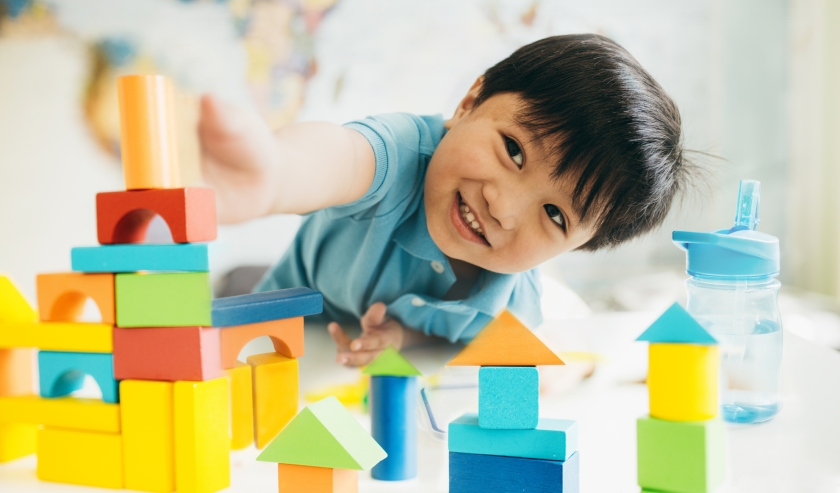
470,219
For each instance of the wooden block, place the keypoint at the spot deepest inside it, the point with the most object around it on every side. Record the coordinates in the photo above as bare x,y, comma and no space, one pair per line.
269,305
286,334
241,406
505,341
470,473
393,416
16,371
17,440
185,257
148,140
553,439
306,479
163,300
391,363
202,438
58,336
683,381
508,397
148,435
62,373
687,457
677,326
62,296
276,394
167,353
69,413
80,457
124,217
13,305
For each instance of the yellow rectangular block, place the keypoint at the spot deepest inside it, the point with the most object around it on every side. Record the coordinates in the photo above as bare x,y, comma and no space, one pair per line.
202,441
80,457
148,422
13,306
276,394
69,413
683,381
17,440
58,336
241,406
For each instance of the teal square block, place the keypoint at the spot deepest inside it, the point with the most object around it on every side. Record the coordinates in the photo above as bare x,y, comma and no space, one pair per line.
552,439
508,397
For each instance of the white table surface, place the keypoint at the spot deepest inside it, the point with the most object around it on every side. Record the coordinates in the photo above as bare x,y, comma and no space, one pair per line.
799,451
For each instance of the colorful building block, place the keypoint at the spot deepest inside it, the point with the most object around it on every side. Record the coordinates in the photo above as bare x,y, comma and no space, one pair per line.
241,406
16,377
148,141
684,457
393,408
13,305
62,296
185,257
324,434
167,353
508,397
124,217
148,435
292,478
68,413
62,373
391,363
80,457
286,335
17,440
677,326
683,381
276,394
163,300
269,305
553,439
470,473
202,439
58,336
505,341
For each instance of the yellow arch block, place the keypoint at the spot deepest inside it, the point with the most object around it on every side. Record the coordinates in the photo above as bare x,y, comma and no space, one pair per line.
683,381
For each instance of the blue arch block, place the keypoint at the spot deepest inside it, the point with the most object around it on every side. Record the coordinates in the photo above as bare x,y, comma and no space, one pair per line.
61,373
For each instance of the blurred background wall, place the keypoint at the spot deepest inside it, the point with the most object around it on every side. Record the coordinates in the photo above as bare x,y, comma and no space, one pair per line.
756,82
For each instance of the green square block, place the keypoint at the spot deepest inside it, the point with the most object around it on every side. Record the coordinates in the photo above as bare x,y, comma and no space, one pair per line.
163,300
681,457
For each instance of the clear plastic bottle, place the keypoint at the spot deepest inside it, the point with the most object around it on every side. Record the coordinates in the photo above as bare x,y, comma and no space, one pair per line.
733,293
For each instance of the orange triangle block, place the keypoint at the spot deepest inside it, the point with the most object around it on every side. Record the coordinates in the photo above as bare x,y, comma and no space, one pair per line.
505,342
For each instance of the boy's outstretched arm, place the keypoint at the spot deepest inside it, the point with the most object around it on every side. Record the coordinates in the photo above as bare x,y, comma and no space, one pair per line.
298,169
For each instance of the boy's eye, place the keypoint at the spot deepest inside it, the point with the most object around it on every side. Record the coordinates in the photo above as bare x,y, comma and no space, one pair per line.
514,151
554,213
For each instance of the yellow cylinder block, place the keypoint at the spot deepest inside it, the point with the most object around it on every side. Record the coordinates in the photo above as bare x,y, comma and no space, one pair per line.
147,132
683,381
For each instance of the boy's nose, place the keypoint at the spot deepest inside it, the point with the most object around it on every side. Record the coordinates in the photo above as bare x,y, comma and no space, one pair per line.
504,204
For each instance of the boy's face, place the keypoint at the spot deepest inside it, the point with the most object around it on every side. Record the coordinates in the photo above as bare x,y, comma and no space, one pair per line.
489,196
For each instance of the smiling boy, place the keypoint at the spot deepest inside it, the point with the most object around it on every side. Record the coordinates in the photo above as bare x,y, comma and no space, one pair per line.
422,227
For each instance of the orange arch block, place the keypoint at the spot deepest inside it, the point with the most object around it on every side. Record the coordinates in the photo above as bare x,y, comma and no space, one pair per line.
292,478
61,296
286,334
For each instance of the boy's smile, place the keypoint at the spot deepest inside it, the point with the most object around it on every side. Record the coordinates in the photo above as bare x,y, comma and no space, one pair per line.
490,197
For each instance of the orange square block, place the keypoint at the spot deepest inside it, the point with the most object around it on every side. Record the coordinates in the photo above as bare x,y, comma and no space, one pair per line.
16,376
286,334
306,479
62,296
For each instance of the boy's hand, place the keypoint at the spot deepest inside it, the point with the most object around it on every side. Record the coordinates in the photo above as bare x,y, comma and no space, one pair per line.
378,332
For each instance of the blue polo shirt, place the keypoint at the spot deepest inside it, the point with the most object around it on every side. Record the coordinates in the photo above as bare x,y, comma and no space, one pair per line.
378,248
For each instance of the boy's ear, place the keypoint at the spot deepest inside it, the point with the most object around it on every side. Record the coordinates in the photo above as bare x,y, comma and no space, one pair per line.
466,105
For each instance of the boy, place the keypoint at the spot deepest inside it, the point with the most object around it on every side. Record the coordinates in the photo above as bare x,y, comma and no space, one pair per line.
422,227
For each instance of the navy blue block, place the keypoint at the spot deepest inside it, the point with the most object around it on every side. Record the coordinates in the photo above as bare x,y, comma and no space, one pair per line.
393,401
183,257
470,473
269,305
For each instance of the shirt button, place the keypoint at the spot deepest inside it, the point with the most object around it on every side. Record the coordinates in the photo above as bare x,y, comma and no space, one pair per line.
438,267
418,302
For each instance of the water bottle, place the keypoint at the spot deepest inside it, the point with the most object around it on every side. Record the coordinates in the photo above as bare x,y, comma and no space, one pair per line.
733,293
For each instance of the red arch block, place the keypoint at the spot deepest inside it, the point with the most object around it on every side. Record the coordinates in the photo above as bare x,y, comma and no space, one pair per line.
286,334
123,217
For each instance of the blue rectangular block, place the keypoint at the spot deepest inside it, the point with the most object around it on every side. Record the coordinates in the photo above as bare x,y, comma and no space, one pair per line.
470,473
553,439
270,305
61,373
183,257
508,397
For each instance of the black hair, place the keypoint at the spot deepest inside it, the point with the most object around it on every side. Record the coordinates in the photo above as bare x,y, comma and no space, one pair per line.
611,126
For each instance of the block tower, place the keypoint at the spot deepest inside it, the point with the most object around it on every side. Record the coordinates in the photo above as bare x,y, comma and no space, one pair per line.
681,444
164,353
507,447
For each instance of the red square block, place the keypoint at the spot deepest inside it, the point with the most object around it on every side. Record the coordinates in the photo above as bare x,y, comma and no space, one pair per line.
167,353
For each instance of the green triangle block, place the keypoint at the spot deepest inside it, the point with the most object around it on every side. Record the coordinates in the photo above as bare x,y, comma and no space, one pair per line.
324,434
391,363
677,326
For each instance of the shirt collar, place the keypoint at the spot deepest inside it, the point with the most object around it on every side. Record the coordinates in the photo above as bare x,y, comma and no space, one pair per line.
413,237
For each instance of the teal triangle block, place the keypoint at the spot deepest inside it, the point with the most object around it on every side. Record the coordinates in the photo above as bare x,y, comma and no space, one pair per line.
391,363
324,434
677,326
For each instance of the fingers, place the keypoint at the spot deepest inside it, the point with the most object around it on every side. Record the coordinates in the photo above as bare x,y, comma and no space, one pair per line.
342,341
374,316
357,358
219,119
371,341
